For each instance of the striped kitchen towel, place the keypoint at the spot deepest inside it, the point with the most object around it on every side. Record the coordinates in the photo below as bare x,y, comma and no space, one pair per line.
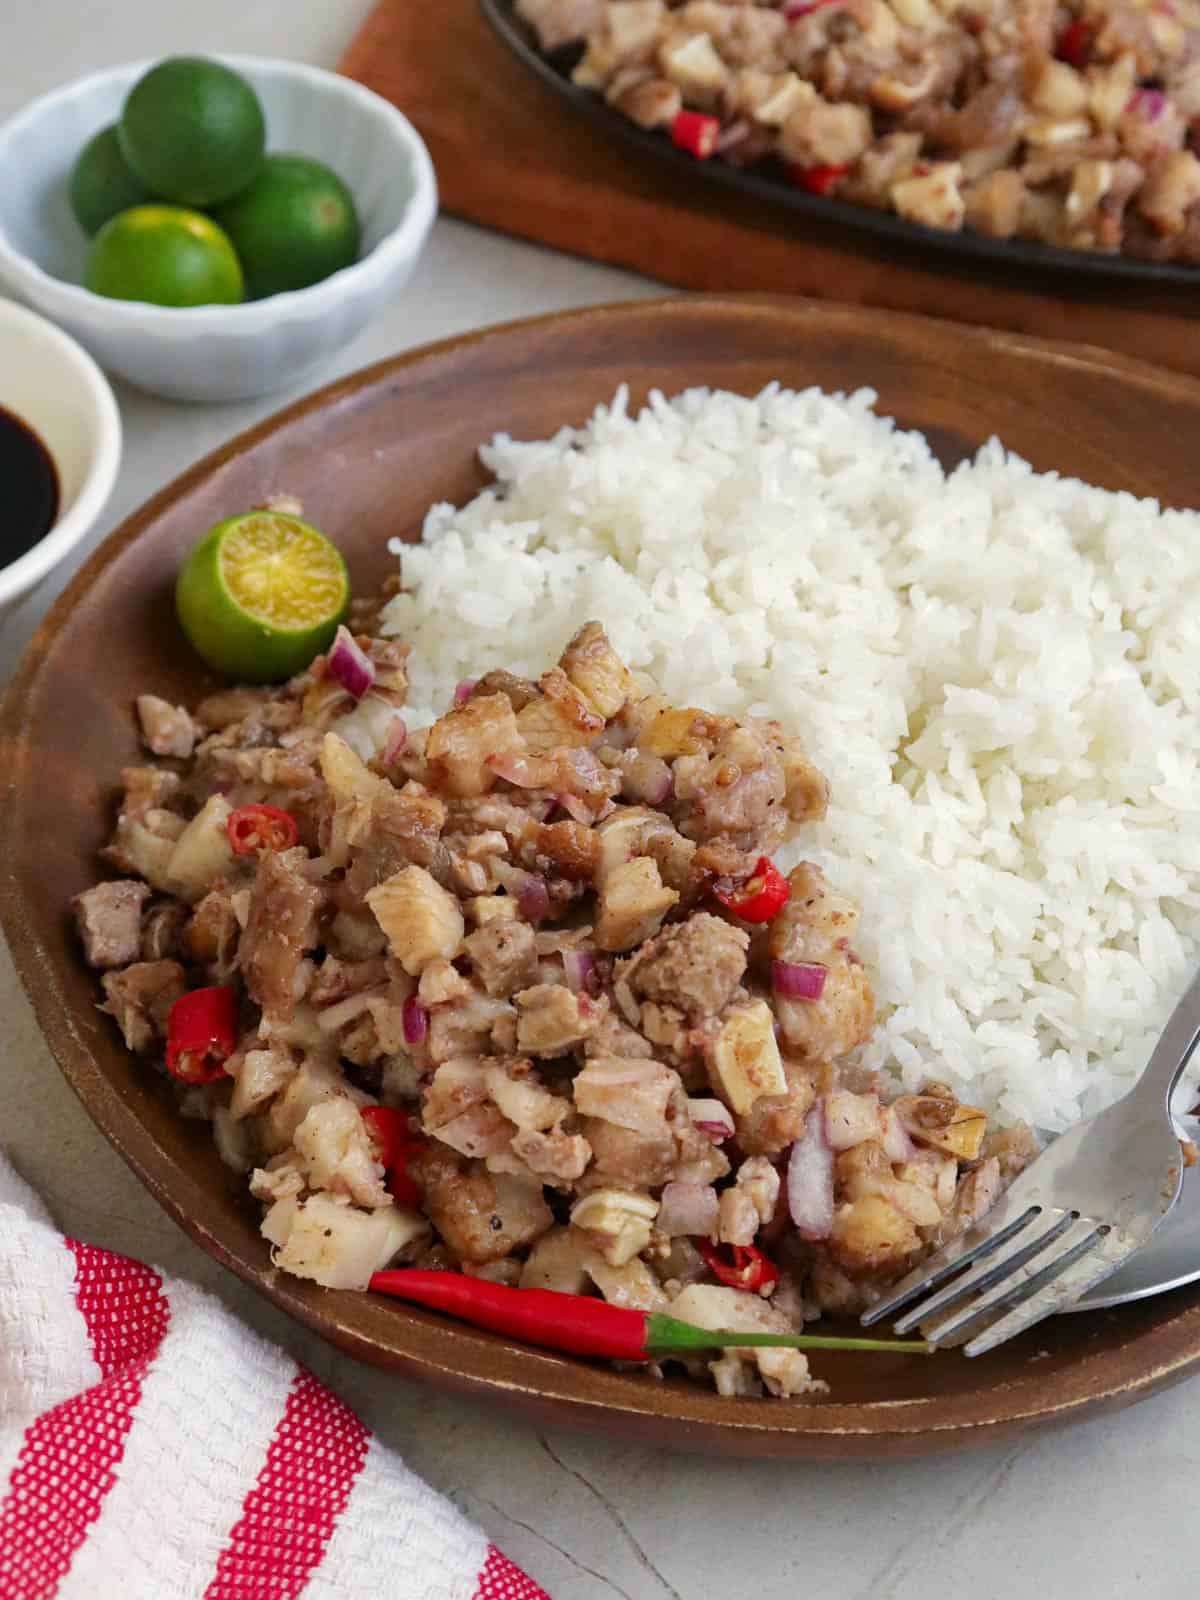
151,1448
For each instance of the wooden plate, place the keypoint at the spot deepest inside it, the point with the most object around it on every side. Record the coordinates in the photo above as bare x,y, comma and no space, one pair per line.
768,183
367,456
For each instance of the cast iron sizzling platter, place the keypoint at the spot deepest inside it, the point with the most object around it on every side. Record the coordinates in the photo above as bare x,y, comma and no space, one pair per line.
367,456
773,188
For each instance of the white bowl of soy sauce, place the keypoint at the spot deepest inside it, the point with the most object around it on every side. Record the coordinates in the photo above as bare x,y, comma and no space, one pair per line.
60,447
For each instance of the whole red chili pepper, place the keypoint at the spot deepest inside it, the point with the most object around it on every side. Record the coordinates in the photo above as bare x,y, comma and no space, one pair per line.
763,895
751,1270
818,180
394,1143
201,1034
582,1326
696,133
252,829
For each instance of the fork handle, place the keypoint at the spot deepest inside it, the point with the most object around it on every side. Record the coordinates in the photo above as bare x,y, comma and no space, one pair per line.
1174,1049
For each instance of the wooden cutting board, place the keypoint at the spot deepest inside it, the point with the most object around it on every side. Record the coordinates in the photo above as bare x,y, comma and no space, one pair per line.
510,155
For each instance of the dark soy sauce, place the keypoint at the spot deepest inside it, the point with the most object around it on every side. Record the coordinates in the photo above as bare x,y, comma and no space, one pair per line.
28,488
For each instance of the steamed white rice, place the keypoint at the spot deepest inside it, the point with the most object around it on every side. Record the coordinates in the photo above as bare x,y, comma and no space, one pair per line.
998,670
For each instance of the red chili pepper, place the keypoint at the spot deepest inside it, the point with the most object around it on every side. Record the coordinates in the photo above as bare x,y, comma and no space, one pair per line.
395,1143
1074,43
696,133
751,1270
201,1034
763,895
252,829
582,1326
818,180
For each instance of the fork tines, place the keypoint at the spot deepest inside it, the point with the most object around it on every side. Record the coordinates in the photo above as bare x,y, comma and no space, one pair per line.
1027,1265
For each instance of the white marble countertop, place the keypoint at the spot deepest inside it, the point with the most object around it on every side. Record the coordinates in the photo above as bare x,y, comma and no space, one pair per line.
1095,1512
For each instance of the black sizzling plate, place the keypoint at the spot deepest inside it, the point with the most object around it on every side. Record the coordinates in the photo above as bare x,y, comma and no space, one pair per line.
555,70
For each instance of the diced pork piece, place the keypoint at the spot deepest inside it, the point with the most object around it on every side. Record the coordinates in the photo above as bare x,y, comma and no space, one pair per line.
934,198
633,831
1171,189
167,730
281,1179
561,22
551,1019
258,1076
144,845
335,1244
482,1216
503,955
211,936
519,1092
315,1080
556,1157
941,1122
471,1027
815,928
633,1094
649,102
977,1194
109,919
628,1283
149,789
140,997
422,921
851,1119
460,743
744,1061
994,204
869,1233
162,930
480,1131
556,1262
785,1372
625,1158
695,965
336,1148
1014,1147
822,135
633,901
517,691
736,794
280,931
776,1121
561,718
597,671
203,856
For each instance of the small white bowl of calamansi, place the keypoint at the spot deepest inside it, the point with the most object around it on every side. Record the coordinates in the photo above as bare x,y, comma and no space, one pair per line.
212,227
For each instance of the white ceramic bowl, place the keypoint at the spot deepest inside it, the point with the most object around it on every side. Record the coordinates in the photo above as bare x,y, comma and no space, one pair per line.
218,352
60,392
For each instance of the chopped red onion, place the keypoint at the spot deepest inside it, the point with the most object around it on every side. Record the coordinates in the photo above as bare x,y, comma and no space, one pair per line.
350,664
687,1209
810,1179
798,980
464,691
574,807
396,740
1148,103
533,898
415,1020
711,1118
580,968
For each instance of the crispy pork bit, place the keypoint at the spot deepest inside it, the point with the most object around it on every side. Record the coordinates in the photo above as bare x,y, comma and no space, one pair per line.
551,1019
696,965
482,1216
633,901
281,929
109,919
140,997
167,730
460,743
423,922
745,1062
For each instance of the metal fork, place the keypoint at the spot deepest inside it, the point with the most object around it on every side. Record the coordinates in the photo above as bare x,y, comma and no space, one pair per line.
1074,1216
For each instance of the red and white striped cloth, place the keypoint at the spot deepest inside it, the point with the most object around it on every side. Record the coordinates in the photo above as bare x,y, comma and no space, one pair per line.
152,1448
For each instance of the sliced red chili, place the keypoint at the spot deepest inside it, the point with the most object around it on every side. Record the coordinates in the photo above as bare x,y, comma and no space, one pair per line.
763,895
818,180
395,1144
1074,43
696,133
201,1034
253,829
751,1270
